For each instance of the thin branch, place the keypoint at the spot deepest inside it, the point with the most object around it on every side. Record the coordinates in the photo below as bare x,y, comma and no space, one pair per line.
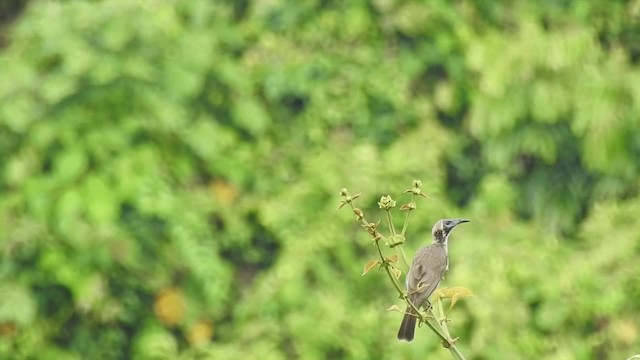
441,331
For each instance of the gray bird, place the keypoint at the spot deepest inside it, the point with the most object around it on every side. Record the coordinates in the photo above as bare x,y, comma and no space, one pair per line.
425,273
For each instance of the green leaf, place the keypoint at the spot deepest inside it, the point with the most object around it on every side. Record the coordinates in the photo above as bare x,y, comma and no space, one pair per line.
17,305
70,164
101,200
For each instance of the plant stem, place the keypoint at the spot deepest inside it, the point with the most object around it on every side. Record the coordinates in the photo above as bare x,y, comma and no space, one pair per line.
391,226
437,328
403,256
402,294
456,353
441,316
404,230
408,216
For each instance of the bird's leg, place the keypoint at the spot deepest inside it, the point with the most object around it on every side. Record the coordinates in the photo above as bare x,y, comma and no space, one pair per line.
419,288
420,315
425,315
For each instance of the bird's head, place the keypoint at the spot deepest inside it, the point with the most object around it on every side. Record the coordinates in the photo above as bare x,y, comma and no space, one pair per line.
443,227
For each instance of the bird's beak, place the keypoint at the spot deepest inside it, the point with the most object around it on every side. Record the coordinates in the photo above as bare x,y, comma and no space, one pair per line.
460,221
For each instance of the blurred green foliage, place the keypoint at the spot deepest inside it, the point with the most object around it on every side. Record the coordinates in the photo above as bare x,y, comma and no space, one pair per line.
170,174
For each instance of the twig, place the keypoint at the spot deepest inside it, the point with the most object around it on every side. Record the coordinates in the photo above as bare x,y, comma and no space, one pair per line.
387,203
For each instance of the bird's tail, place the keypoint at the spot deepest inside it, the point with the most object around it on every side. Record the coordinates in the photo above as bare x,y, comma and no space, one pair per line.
408,326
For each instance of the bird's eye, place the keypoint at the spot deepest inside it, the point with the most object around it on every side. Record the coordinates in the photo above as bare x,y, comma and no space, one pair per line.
447,223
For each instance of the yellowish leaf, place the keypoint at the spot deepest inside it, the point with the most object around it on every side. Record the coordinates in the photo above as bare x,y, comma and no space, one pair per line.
223,191
392,259
370,265
200,333
394,308
408,206
454,293
170,306
395,271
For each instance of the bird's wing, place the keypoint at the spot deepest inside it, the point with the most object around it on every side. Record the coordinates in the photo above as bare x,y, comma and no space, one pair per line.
420,282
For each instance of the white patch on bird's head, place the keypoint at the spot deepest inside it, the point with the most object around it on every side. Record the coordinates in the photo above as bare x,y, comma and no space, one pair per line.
439,233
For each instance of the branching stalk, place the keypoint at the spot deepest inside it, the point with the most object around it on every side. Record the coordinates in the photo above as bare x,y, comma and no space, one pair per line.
431,319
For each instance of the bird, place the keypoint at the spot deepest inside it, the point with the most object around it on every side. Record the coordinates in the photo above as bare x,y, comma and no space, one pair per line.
426,271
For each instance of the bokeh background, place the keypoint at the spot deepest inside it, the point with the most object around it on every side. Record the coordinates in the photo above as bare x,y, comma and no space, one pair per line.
170,170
